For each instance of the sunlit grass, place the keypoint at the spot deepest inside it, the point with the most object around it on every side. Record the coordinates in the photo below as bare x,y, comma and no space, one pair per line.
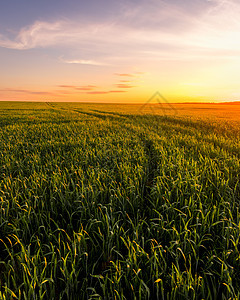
101,202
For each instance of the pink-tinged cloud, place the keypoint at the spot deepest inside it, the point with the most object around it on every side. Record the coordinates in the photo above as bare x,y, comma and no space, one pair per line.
125,74
124,86
104,92
118,91
30,92
85,88
98,92
89,89
67,86
79,88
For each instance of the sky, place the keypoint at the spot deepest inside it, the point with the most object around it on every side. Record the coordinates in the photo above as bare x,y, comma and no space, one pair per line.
120,50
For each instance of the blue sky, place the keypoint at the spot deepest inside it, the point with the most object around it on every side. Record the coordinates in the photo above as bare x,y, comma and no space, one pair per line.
75,50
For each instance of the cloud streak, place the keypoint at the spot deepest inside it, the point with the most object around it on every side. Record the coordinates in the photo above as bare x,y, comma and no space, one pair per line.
79,88
125,74
83,62
89,89
105,92
29,92
124,86
71,90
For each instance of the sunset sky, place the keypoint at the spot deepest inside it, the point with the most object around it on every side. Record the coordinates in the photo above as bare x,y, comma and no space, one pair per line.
120,50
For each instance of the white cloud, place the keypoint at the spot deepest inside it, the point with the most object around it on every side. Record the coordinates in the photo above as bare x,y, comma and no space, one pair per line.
65,33
82,62
39,34
216,28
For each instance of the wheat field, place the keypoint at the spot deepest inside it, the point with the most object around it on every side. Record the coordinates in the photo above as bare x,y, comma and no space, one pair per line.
101,201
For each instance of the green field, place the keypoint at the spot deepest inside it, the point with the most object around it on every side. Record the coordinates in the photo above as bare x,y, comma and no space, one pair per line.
114,202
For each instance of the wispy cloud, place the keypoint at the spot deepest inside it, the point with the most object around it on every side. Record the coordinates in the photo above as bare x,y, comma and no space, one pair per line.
25,91
105,92
39,34
167,28
71,90
90,89
125,74
124,86
83,62
79,88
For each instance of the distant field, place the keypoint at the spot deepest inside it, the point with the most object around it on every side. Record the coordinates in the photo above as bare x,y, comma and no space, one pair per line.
103,201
